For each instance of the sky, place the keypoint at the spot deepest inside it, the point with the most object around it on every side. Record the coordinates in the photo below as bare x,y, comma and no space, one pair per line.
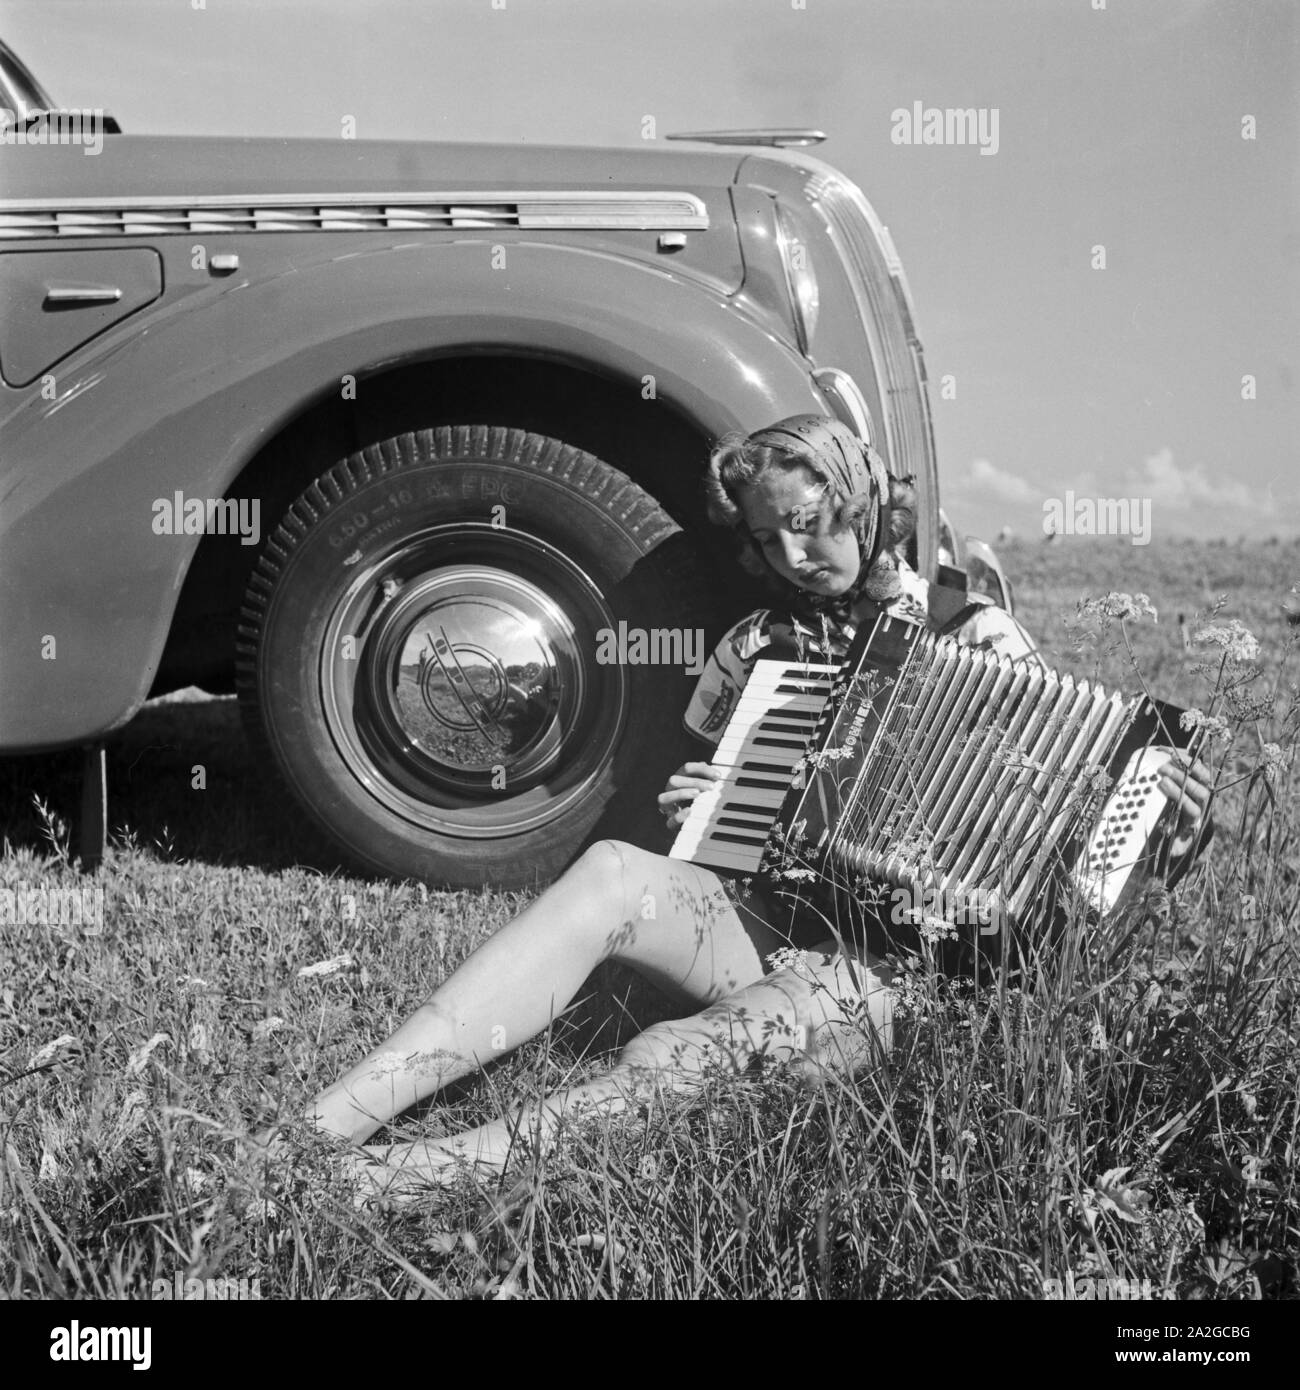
1120,125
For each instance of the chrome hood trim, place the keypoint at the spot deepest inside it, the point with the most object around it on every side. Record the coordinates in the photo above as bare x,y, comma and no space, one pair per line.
534,210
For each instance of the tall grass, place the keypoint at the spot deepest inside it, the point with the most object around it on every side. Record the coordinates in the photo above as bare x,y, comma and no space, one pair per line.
1125,1107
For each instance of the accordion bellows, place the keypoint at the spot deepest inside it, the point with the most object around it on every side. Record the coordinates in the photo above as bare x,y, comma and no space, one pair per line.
941,768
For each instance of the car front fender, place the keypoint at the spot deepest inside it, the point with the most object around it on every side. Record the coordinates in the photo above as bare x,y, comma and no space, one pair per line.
178,399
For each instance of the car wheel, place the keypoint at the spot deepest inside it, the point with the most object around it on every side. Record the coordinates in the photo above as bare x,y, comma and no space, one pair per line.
428,652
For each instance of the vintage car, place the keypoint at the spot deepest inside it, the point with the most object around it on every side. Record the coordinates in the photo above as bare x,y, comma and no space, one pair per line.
393,437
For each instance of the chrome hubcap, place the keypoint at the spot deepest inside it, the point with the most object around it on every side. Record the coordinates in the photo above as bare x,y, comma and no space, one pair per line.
460,683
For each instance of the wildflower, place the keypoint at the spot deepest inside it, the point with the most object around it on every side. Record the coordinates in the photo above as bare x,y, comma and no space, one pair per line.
432,1063
1275,760
1117,605
802,874
936,929
327,967
968,1138
263,1028
1233,638
819,760
788,958
1211,726
1094,781
387,1063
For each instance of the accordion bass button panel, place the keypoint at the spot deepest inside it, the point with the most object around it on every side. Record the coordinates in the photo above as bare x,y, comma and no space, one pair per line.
1122,835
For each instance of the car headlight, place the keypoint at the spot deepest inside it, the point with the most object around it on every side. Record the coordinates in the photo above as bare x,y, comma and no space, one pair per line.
800,276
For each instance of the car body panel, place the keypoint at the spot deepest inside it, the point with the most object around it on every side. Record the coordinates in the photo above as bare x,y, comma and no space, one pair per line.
137,173
291,268
192,166
150,412
52,302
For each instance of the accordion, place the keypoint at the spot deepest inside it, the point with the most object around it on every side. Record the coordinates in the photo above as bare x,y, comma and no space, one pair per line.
969,784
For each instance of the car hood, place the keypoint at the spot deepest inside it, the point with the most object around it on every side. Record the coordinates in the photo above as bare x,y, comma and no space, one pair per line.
201,166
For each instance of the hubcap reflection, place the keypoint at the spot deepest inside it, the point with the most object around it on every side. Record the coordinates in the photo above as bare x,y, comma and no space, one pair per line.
460,684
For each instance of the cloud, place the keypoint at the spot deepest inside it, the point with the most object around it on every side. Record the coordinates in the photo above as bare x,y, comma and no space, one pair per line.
1164,482
996,484
1183,499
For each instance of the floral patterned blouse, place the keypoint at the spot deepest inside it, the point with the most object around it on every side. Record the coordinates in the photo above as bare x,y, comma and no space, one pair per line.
732,662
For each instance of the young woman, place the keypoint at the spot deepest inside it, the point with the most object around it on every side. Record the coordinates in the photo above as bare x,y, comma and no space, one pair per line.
818,516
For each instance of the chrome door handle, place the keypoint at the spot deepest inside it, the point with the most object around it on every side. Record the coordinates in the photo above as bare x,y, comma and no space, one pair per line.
82,294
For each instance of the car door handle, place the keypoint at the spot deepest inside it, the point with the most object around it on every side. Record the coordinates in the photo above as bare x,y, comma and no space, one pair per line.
82,294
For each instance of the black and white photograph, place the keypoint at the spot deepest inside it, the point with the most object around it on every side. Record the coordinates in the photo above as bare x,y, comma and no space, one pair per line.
648,651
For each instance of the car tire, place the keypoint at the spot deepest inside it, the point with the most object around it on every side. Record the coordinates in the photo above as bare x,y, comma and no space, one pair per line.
425,649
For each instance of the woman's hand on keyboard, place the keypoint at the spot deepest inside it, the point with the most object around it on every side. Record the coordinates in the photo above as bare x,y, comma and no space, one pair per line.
683,787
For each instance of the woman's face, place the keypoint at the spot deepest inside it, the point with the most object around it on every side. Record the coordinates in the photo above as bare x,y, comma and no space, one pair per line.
791,519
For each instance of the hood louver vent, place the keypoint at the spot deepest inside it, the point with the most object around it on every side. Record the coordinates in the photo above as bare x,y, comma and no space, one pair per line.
184,217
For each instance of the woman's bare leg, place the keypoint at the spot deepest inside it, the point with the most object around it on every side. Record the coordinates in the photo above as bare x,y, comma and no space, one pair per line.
832,1009
670,920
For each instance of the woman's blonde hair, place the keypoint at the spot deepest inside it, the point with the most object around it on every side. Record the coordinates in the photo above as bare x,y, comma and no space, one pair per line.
737,462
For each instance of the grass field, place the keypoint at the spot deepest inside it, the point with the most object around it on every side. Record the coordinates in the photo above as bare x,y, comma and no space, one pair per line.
1130,1113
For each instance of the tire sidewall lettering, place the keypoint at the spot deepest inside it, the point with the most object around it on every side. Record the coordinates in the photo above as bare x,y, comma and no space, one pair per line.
492,487
349,525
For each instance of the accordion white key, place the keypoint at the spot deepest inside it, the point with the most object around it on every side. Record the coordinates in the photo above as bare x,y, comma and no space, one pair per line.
922,763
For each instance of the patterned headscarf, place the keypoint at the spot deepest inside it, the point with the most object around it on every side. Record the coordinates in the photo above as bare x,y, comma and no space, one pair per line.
856,470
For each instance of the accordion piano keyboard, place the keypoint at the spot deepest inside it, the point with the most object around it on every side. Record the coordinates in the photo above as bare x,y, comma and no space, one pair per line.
728,825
